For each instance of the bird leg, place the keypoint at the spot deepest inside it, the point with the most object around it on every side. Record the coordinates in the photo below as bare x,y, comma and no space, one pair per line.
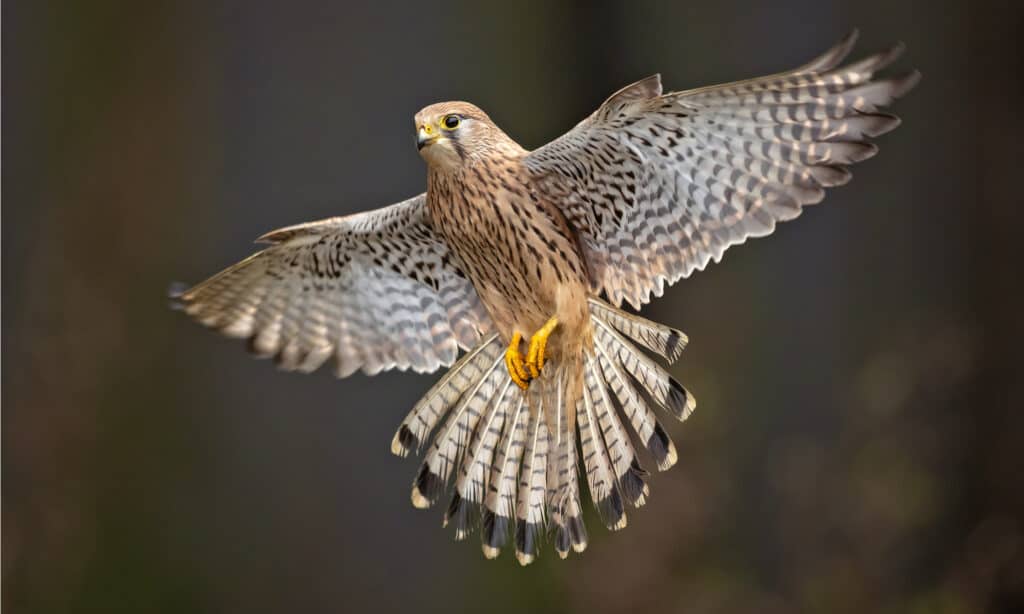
514,362
538,343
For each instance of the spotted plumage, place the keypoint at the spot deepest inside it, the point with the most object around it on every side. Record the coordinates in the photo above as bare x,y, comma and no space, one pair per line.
509,244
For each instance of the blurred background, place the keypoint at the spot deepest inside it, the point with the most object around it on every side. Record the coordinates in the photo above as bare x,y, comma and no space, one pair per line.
857,445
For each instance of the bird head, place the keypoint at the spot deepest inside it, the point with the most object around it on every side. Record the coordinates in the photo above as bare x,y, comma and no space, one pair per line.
450,135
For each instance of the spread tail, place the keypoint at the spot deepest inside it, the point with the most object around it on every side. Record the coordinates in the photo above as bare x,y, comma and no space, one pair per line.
513,455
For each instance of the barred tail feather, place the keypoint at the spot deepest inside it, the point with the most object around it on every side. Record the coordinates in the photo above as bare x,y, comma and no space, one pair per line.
515,456
631,477
641,417
475,470
661,386
563,501
500,504
530,516
450,442
425,415
604,489
663,340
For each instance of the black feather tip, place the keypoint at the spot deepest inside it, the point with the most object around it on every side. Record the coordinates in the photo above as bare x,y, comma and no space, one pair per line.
404,442
662,448
426,488
634,487
527,540
681,402
577,533
563,540
463,515
570,535
494,532
674,345
612,511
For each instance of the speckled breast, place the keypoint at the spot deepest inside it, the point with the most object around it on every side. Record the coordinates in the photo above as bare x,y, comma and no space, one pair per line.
517,251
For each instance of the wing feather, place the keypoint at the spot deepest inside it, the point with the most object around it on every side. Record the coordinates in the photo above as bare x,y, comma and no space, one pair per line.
372,291
658,185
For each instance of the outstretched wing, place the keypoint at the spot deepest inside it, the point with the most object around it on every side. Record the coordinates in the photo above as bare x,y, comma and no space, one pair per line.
657,185
374,290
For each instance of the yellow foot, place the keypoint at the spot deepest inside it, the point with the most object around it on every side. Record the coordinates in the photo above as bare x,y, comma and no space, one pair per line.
538,343
514,362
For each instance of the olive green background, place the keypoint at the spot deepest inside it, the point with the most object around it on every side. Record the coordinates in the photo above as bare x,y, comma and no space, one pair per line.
857,443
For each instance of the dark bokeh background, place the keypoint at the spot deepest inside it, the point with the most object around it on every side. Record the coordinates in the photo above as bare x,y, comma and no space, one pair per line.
858,444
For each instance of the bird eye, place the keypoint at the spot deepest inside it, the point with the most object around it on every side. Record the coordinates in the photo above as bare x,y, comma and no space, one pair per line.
450,122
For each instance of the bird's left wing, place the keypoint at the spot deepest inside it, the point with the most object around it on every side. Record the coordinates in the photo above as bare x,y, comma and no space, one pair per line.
374,290
657,185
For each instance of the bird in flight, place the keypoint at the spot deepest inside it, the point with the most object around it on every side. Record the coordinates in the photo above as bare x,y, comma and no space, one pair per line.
522,260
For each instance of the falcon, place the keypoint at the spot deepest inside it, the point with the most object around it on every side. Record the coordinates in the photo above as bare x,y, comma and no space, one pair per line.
521,260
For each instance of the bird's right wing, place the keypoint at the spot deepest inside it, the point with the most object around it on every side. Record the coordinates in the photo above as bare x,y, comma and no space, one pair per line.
374,291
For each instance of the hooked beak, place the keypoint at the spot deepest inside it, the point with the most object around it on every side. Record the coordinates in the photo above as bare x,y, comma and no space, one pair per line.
426,135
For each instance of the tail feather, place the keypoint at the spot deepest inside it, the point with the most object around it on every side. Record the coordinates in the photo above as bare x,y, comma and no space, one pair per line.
604,489
449,444
425,415
630,476
662,387
475,469
563,502
663,340
636,410
530,517
500,504
462,514
515,455
564,507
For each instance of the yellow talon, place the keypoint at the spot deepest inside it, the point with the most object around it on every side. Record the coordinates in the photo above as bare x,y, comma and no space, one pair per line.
514,363
538,343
